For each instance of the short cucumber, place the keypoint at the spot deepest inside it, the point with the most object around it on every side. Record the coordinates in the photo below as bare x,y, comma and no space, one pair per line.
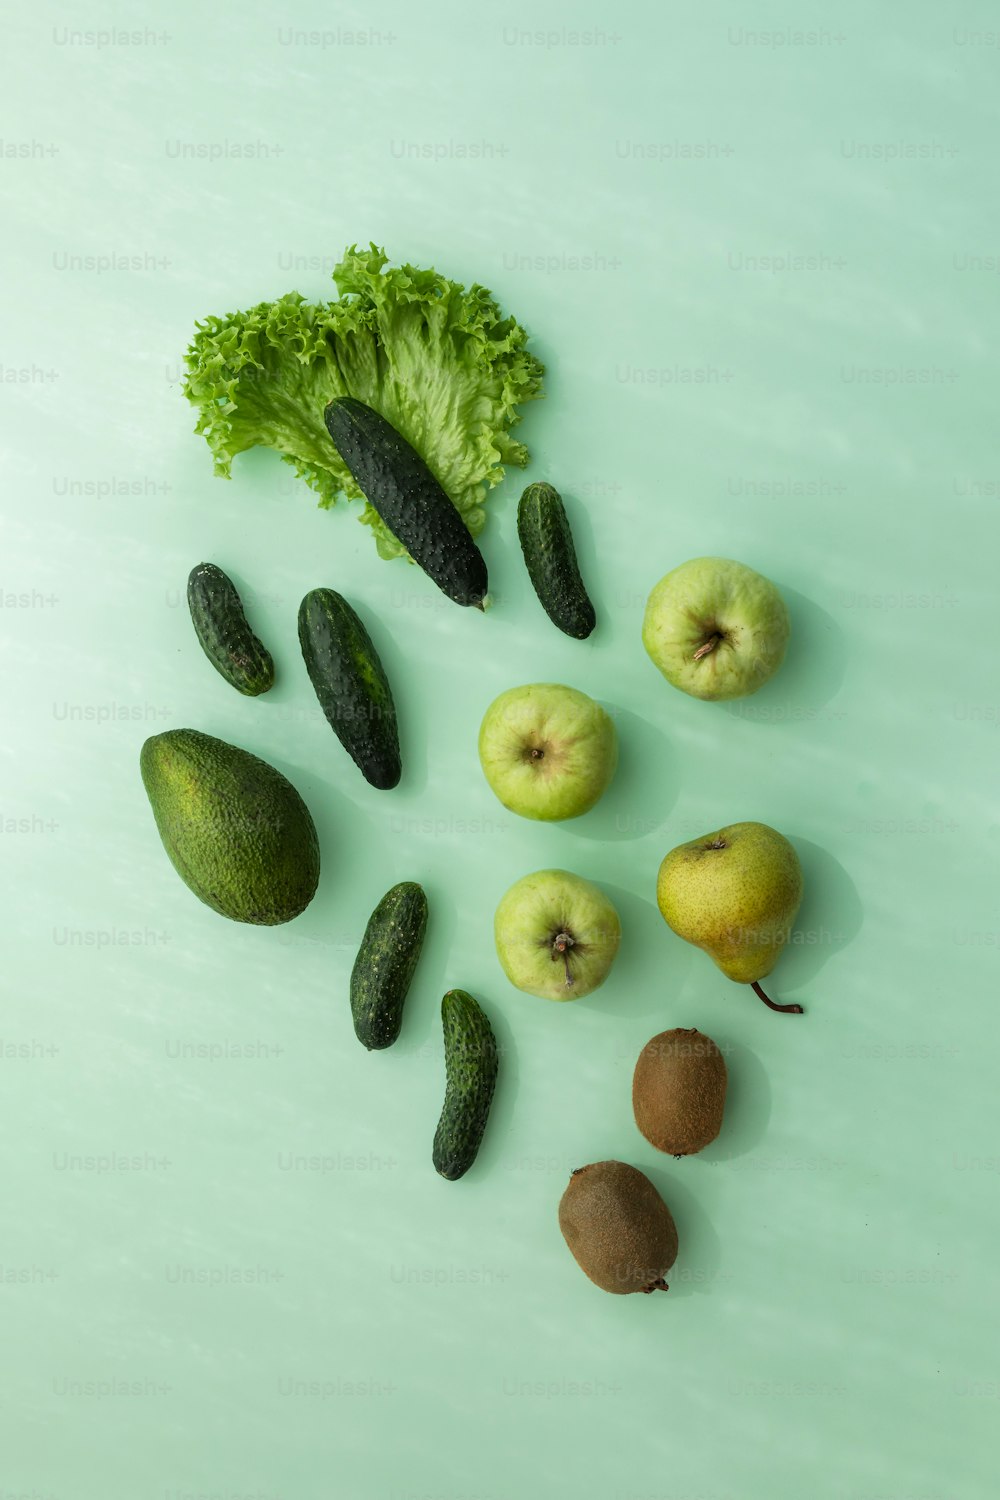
385,964
351,684
470,1055
550,557
223,632
398,485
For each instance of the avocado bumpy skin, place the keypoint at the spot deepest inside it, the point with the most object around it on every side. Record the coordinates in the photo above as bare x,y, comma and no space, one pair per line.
679,1091
236,831
620,1231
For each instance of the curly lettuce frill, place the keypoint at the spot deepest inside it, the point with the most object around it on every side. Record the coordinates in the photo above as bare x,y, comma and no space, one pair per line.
438,361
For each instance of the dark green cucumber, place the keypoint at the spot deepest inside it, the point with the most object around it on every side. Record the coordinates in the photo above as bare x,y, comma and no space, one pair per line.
351,684
223,632
550,557
398,485
470,1058
385,964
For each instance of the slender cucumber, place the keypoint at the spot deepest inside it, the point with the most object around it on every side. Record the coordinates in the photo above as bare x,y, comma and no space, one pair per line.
351,684
398,485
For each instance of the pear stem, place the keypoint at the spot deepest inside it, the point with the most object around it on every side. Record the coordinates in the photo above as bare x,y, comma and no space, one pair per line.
791,1010
708,647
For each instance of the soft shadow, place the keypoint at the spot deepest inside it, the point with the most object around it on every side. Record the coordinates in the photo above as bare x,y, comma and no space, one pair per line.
421,1030
406,696
422,1035
650,963
255,600
273,619
748,1103
331,810
815,666
583,541
637,802
699,1254
813,670
498,1127
811,674
829,919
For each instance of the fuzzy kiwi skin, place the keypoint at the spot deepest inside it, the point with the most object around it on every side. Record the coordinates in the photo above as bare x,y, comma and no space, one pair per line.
679,1091
619,1229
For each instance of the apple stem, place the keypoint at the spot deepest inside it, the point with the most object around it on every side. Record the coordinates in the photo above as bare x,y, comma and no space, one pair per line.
791,1010
537,754
708,646
560,944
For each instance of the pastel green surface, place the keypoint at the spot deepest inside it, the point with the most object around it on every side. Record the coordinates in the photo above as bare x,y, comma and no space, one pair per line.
760,267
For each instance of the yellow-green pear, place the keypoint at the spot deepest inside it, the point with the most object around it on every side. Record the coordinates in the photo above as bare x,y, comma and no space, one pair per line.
735,894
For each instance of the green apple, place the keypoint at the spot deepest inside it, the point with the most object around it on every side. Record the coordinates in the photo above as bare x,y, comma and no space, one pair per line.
556,935
734,893
547,751
715,628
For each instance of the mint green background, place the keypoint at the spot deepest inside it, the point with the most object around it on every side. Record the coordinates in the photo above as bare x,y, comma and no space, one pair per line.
825,1333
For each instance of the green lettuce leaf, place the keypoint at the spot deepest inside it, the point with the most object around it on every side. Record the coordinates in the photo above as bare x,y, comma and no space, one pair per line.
438,361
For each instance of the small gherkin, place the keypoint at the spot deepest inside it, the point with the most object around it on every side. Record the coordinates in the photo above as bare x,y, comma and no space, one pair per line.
383,969
224,633
550,557
471,1060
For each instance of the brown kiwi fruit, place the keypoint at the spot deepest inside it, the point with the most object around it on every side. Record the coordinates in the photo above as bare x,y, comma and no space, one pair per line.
679,1091
618,1228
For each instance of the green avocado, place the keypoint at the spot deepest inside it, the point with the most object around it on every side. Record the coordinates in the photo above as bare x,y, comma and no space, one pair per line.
236,830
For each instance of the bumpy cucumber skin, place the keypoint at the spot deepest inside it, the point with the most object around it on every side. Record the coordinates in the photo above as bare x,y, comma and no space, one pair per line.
351,685
223,633
550,557
398,485
385,963
470,1053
